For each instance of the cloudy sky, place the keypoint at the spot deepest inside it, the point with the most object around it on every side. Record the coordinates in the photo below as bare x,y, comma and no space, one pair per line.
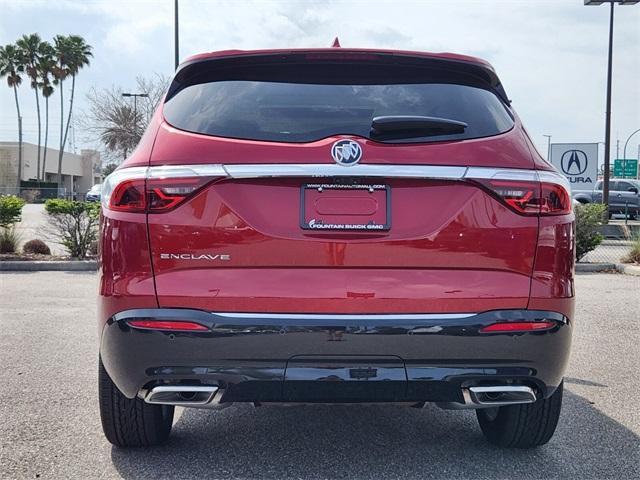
550,54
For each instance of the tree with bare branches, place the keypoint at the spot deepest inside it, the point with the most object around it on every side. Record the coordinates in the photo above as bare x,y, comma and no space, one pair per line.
111,120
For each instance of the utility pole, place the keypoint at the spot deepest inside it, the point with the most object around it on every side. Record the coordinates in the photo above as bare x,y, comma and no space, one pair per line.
135,109
607,132
607,127
176,39
19,153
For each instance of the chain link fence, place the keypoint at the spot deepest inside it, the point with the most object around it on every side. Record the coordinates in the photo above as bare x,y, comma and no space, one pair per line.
40,195
619,236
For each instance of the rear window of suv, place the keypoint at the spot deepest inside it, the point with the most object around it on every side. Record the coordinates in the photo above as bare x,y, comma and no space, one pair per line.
304,111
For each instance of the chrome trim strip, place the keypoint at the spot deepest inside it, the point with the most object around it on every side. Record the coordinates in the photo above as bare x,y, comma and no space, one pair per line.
316,316
359,170
244,171
501,174
554,177
180,171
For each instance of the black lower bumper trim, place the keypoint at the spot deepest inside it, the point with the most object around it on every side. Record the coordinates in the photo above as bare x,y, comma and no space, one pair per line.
335,358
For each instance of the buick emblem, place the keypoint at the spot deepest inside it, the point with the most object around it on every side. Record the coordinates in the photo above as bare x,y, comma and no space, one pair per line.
346,152
573,162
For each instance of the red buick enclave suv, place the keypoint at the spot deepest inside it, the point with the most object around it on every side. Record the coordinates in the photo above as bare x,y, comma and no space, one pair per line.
336,226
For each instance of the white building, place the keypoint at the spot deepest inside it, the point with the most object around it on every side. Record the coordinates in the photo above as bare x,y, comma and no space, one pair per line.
79,172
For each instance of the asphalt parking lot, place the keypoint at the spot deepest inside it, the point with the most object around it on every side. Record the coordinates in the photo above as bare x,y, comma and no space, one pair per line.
50,426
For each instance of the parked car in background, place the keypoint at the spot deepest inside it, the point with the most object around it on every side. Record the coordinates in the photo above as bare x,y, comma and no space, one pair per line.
93,195
624,196
335,226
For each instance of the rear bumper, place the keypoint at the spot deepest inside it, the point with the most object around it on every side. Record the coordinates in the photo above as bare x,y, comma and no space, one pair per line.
335,358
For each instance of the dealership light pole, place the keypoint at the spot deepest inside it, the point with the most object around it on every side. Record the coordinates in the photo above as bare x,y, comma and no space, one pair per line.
607,131
624,150
135,108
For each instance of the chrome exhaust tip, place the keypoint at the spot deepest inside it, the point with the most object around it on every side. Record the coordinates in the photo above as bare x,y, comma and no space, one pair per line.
501,395
491,396
181,395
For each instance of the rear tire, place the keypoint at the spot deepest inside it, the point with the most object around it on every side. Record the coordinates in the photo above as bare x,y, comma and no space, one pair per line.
131,422
522,426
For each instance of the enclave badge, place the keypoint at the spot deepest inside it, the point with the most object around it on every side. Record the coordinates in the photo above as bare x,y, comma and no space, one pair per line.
191,256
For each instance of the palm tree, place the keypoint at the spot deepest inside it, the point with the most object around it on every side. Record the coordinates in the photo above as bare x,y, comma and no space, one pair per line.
73,56
61,71
45,69
11,66
118,134
30,46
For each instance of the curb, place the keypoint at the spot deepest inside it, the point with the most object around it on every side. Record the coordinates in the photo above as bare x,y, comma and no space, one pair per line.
595,267
627,269
54,265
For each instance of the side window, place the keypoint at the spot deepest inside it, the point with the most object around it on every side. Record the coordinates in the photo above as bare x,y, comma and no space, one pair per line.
613,186
598,186
625,186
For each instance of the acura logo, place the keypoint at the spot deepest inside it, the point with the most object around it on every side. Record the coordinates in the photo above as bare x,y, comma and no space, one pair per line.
573,162
346,152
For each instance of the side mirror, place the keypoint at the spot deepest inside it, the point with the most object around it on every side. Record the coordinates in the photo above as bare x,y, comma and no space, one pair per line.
632,189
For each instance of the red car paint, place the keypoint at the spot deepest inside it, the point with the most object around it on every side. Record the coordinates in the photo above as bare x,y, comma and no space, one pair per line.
453,247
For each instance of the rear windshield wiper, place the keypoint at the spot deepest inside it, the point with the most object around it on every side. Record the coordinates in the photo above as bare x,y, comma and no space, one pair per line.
407,126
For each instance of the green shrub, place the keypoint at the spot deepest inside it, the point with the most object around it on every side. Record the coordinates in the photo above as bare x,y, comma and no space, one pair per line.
73,224
10,210
30,196
588,222
634,255
36,246
9,240
108,169
93,248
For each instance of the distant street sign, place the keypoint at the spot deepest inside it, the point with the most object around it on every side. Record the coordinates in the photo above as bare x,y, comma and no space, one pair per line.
578,162
625,168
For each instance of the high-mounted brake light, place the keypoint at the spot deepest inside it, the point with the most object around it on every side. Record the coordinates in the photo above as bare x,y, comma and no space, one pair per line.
514,327
167,325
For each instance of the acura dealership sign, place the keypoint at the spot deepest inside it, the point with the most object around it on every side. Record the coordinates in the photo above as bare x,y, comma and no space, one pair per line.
578,162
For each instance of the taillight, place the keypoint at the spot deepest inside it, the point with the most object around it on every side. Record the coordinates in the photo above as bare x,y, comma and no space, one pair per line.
166,193
168,325
129,196
546,193
514,327
155,189
523,197
554,199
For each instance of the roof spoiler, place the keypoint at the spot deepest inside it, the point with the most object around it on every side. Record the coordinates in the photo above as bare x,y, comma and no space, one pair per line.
197,70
